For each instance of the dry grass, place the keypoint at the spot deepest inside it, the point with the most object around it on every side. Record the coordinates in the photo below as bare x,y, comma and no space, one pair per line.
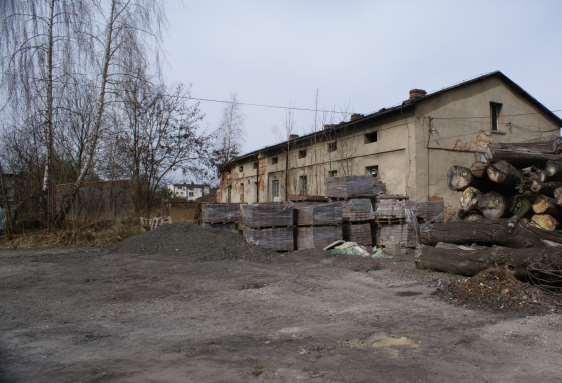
99,234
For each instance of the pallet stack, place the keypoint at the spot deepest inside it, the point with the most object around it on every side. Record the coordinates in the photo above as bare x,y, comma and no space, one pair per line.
269,225
220,215
318,224
390,219
357,195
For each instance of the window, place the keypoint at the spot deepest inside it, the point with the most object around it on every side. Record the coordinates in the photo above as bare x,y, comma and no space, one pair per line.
332,173
495,109
242,193
275,188
190,194
371,137
241,168
303,185
302,153
372,171
274,160
332,146
255,165
229,194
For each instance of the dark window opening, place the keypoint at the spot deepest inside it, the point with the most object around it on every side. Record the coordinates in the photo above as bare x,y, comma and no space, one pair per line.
371,137
332,146
332,173
255,165
241,193
275,188
303,185
229,194
241,168
274,160
495,109
372,171
302,153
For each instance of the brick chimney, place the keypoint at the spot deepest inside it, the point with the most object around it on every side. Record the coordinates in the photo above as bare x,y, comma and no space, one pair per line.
416,93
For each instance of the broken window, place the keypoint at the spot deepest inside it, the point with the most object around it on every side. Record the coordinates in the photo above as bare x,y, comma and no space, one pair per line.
332,146
303,185
495,109
302,153
372,171
332,173
273,160
275,188
371,137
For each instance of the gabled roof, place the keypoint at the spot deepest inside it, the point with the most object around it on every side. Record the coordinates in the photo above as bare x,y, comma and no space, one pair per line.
406,107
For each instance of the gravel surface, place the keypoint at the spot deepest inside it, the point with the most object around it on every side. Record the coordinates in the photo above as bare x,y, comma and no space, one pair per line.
146,312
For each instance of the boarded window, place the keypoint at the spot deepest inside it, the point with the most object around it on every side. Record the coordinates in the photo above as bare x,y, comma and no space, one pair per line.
332,146
275,188
302,153
303,185
332,173
495,109
371,137
274,160
372,171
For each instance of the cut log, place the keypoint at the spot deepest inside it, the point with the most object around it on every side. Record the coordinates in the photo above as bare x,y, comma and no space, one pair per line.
502,172
553,168
545,205
492,205
470,262
485,232
528,153
459,177
520,207
544,222
469,198
545,187
471,216
478,169
558,196
533,173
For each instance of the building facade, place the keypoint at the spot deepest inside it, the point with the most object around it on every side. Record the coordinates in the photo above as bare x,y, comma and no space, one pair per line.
190,192
409,146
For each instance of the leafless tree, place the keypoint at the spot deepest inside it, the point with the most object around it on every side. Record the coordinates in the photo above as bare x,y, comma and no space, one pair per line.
230,134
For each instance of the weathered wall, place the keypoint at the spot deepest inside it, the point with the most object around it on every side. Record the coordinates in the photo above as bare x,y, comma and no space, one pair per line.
455,128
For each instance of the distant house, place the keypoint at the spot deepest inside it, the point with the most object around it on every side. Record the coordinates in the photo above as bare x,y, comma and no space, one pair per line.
409,146
190,192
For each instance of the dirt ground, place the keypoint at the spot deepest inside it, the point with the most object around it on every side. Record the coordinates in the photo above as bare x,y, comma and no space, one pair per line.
95,315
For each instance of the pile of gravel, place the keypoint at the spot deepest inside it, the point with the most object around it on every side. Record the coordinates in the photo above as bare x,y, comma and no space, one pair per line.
194,241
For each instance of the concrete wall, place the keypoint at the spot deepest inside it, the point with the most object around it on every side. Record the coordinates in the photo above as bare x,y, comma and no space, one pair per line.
455,129
413,151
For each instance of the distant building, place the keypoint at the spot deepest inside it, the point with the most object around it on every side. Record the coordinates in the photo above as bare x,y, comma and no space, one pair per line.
190,192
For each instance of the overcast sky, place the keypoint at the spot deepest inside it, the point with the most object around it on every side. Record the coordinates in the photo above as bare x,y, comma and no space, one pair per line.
360,55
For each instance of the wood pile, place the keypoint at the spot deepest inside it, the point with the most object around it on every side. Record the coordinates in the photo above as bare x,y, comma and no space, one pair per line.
510,207
269,225
354,186
318,224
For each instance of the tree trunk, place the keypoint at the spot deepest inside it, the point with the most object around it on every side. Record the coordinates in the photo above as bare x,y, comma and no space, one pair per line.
492,205
545,222
470,262
459,177
502,172
524,154
469,198
553,168
478,169
545,187
545,205
49,167
558,195
487,232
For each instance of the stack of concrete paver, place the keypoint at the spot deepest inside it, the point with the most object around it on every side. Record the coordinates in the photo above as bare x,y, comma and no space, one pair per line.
220,215
357,194
318,224
269,225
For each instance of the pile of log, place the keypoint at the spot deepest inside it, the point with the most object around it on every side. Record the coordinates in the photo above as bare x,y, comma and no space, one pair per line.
510,208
